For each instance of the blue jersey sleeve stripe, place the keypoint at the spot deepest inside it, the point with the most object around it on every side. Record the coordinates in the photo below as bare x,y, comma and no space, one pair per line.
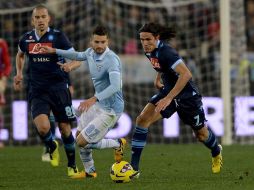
114,72
176,63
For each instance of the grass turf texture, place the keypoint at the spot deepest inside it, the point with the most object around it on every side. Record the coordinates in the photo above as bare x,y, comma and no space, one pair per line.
163,167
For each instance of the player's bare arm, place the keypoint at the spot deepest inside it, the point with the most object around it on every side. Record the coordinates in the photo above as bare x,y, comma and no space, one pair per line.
184,76
20,60
157,81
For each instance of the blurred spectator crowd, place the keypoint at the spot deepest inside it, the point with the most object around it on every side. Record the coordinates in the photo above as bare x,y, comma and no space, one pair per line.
197,27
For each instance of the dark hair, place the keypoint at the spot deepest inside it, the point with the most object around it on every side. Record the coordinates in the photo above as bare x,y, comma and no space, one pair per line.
165,32
101,31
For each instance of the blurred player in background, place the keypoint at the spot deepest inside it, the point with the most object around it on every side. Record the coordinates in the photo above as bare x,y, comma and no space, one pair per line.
100,112
5,70
48,90
177,93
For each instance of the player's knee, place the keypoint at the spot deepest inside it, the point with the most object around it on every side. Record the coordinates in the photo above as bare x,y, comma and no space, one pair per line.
65,129
79,143
43,130
201,134
141,120
200,137
80,140
77,133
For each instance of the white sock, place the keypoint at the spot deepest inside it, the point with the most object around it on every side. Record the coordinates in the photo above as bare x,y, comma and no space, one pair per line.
86,157
104,143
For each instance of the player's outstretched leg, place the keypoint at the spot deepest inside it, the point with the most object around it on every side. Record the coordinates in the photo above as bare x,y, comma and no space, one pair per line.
138,143
118,152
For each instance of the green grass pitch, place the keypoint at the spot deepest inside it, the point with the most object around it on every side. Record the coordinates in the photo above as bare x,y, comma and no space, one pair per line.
163,167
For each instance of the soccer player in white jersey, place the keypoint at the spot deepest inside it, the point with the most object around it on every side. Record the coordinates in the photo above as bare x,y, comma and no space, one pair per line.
100,112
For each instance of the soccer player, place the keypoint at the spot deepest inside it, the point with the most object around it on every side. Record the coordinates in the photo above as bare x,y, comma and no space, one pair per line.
177,93
100,112
48,89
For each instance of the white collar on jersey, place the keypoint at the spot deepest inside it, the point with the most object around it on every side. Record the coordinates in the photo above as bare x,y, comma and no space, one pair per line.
101,56
158,43
37,36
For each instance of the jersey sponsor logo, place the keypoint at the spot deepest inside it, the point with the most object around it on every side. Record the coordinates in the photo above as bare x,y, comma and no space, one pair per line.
34,48
155,63
41,59
30,40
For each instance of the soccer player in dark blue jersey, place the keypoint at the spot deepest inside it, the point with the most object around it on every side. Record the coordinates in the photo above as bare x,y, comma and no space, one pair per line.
48,88
177,93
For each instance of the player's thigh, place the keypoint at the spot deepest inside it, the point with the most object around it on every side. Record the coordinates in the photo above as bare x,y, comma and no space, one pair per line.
148,116
87,117
192,113
98,127
65,128
170,109
61,105
39,105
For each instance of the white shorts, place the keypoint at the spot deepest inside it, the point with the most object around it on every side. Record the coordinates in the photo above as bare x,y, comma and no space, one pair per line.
95,123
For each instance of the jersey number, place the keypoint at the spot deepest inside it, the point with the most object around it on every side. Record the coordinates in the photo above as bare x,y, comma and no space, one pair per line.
69,111
197,120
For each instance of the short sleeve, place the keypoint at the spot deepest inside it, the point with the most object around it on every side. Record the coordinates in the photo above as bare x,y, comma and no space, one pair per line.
169,58
22,44
63,42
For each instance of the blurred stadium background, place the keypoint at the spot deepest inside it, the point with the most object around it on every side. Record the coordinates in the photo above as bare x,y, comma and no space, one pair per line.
198,41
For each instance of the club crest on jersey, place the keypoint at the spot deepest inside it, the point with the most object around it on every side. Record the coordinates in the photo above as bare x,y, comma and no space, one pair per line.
50,37
155,63
99,67
34,48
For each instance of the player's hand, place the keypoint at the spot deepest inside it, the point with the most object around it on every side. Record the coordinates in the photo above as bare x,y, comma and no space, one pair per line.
46,49
66,67
158,85
85,105
17,82
162,104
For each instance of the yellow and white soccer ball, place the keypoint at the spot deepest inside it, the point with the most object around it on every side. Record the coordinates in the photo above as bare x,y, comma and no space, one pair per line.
121,172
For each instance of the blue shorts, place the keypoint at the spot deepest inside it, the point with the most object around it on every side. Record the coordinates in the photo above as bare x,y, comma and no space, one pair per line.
56,100
189,110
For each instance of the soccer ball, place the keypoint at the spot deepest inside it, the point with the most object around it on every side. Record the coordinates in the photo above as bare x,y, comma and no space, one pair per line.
121,172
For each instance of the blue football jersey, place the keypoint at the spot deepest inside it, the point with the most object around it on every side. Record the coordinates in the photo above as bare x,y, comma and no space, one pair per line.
43,71
164,59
